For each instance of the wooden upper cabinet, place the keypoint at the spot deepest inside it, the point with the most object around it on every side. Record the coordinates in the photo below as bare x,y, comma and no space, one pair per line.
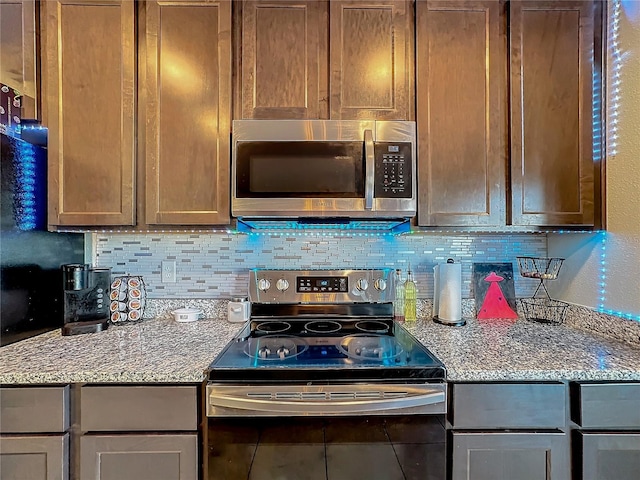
284,60
371,64
325,59
18,51
186,88
461,113
89,81
552,165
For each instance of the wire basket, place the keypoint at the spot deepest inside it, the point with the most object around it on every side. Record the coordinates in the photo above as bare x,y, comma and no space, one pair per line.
540,268
544,310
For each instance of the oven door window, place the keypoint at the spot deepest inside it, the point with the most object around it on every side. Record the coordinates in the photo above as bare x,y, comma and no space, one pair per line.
300,169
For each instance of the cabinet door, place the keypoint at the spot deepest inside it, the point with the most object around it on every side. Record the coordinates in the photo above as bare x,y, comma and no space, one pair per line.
509,456
610,456
461,116
552,166
89,77
187,97
284,60
371,60
34,457
18,51
135,457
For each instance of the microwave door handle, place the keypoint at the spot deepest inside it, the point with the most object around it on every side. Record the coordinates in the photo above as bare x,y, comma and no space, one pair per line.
369,170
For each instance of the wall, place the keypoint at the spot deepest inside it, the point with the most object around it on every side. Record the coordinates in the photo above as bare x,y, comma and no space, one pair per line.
603,271
212,265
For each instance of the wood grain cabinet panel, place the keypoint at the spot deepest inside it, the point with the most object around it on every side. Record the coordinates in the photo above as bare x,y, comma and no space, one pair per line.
149,408
552,165
510,456
187,97
18,51
136,457
461,114
284,60
609,455
34,409
35,457
89,78
370,61
509,405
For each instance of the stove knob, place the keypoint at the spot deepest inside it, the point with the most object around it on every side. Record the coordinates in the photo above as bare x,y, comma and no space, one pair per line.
264,352
264,284
283,352
282,284
380,284
362,284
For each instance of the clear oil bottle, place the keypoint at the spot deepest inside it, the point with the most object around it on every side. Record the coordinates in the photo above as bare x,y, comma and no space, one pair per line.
398,303
410,293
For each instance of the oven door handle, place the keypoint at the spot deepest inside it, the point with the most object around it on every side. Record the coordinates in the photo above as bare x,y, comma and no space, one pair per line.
298,404
370,166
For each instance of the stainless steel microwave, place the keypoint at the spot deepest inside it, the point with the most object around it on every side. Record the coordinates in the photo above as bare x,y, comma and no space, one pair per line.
323,168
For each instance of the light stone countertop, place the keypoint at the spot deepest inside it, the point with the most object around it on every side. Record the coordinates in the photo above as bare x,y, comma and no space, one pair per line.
165,351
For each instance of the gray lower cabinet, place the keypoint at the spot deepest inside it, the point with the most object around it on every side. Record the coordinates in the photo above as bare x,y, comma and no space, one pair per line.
135,432
35,457
509,456
509,431
608,435
34,443
136,457
610,456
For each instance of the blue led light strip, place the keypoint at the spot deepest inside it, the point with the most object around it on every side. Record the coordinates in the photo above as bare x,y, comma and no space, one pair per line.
617,57
25,202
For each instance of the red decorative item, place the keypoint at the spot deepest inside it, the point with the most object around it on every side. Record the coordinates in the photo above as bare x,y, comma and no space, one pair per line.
495,304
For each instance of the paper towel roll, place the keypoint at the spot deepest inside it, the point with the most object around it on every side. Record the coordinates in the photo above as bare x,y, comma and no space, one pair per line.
449,292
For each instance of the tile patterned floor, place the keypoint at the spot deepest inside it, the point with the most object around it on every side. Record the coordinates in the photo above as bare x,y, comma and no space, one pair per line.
391,448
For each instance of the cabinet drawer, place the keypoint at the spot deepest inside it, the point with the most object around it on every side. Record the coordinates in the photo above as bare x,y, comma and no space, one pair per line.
148,408
606,405
34,409
509,405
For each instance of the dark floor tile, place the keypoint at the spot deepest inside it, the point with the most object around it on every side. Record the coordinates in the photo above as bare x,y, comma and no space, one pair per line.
415,429
289,462
230,461
362,462
355,430
422,462
294,430
233,431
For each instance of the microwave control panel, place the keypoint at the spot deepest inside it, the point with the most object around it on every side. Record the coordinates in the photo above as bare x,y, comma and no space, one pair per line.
393,170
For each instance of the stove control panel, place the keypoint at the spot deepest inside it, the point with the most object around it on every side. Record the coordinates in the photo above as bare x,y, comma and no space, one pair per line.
321,286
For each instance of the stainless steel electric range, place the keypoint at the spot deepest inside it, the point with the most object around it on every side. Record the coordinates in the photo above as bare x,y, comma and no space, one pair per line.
324,343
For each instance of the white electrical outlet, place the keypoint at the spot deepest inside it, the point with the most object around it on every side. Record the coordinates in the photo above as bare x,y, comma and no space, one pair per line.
168,271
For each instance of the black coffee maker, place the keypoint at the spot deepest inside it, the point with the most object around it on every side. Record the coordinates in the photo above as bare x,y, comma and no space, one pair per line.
86,298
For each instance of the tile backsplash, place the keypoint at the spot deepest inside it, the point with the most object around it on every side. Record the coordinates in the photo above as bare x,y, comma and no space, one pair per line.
216,265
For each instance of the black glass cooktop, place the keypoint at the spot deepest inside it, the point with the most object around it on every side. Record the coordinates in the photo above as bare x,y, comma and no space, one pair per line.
325,349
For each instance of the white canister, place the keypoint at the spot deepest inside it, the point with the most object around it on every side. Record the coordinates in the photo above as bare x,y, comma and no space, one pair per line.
239,310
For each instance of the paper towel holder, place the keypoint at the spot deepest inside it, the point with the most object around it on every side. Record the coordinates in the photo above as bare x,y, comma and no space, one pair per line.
448,322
